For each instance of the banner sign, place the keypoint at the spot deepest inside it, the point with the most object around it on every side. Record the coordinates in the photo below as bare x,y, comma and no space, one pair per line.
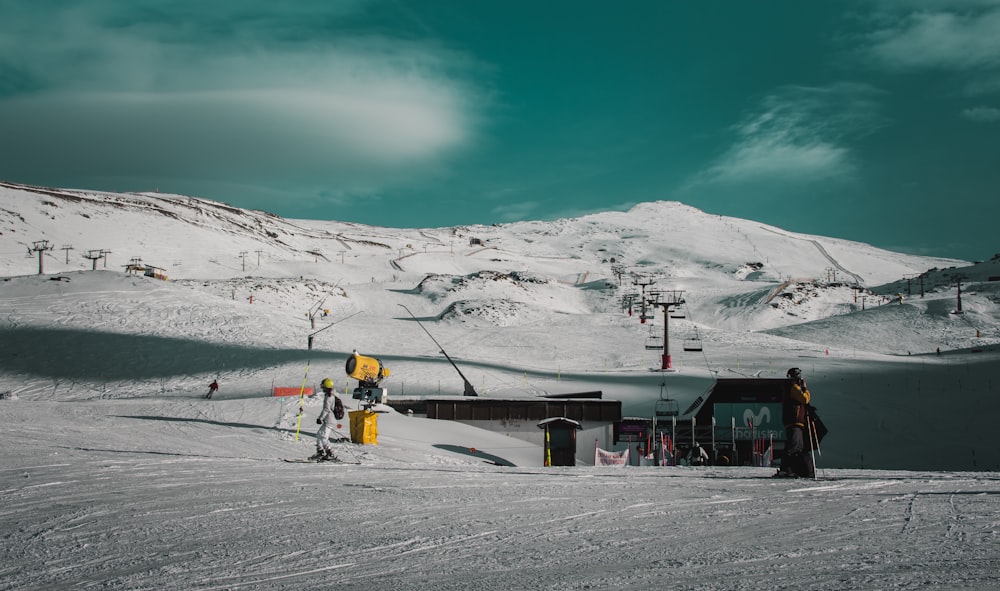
610,458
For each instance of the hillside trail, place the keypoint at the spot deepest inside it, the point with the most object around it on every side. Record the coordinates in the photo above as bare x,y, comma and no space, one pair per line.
858,279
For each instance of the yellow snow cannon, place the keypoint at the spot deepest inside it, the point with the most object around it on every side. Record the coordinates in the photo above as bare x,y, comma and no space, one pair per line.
367,370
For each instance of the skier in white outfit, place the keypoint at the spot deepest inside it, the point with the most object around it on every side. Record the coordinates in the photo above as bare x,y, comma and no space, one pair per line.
333,410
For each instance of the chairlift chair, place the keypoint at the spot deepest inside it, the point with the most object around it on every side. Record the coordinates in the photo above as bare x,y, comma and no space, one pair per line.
677,313
692,345
666,407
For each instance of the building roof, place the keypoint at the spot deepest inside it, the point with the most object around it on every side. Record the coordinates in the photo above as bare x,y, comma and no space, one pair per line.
555,420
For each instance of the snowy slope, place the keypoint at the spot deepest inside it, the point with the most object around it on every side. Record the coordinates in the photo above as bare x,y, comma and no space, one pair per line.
116,473
526,309
180,493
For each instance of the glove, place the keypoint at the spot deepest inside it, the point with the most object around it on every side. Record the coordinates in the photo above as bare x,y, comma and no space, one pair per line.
319,422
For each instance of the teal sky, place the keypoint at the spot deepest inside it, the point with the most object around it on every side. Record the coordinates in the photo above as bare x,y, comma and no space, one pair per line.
876,121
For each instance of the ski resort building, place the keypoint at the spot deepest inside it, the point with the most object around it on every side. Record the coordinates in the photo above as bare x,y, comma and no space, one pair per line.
738,421
521,418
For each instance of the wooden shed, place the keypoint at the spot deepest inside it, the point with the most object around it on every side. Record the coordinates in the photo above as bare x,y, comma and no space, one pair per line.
560,441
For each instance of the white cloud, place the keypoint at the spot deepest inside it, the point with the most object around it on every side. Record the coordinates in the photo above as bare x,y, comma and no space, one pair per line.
939,40
762,158
982,114
359,110
797,134
512,212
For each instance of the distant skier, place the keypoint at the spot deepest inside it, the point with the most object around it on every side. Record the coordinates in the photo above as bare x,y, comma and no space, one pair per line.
796,461
212,388
698,457
333,410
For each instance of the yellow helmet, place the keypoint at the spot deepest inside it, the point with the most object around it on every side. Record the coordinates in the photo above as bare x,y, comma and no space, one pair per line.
326,384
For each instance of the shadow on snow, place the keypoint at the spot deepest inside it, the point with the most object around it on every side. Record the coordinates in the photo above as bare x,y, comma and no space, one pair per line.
84,354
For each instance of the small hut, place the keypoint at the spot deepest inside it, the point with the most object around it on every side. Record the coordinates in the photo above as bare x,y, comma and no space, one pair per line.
560,441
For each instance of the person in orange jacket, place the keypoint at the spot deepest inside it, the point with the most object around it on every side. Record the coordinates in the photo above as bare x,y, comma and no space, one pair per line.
796,461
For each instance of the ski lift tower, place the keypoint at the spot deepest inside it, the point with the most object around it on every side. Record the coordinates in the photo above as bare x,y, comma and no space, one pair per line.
643,281
93,256
958,277
40,246
668,300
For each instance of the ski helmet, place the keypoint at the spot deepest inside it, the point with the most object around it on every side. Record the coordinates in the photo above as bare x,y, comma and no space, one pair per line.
326,384
794,373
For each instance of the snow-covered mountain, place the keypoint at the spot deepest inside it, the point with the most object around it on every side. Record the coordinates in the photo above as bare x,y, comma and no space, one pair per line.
735,274
526,308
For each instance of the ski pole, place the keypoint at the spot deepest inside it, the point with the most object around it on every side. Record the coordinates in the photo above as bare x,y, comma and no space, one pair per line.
351,451
815,435
812,427
812,446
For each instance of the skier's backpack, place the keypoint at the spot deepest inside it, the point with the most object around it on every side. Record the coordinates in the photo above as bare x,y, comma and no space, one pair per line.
338,408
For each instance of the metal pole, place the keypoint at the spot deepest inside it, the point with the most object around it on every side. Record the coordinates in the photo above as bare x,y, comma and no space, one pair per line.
470,390
732,425
665,362
673,440
713,440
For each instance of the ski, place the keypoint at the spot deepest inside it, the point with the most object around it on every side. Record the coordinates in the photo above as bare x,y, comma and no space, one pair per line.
308,461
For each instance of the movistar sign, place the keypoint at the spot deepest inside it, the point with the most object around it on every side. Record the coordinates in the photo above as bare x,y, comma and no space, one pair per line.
752,420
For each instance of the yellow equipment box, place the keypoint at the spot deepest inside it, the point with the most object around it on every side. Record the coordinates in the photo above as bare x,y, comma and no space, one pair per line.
364,427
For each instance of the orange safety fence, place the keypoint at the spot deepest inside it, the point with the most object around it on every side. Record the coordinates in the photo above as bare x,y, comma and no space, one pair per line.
285,391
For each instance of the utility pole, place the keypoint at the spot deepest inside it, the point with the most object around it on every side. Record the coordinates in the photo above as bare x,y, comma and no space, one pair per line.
258,256
243,256
67,248
40,246
93,255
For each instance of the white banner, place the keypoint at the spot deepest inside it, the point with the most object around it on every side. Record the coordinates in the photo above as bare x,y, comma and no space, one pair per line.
610,458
